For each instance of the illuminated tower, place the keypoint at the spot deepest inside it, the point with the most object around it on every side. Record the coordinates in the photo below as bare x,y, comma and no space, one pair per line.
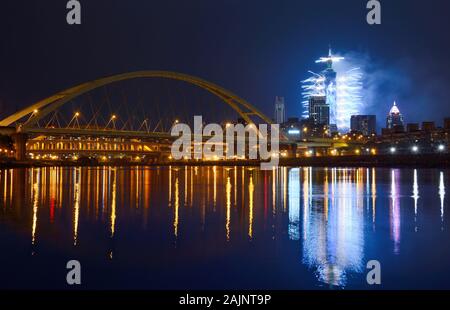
394,118
342,90
330,86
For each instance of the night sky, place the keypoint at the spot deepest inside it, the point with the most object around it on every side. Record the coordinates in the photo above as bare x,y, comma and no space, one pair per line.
258,49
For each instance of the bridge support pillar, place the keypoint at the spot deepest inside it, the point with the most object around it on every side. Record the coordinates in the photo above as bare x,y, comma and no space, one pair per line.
20,145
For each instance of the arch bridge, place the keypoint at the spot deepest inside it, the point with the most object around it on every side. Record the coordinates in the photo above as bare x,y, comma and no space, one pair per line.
30,138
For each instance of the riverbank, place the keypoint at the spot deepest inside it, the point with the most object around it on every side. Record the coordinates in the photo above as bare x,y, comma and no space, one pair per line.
419,161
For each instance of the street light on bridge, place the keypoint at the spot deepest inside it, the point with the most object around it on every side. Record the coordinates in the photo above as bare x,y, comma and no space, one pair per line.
113,121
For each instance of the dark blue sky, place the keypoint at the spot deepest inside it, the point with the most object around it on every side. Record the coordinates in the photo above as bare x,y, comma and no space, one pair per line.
257,48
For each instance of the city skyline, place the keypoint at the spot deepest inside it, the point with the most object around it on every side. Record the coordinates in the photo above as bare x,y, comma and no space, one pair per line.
393,56
224,152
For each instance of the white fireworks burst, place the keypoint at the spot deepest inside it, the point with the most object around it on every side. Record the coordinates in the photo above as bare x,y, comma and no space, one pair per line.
349,98
348,91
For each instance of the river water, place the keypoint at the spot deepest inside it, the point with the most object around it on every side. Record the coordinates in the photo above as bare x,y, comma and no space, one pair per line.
224,227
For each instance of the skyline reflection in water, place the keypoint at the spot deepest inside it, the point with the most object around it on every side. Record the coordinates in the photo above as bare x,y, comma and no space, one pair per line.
324,223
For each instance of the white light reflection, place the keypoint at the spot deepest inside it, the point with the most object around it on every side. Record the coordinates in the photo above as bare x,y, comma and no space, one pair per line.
394,210
442,195
416,197
333,243
294,204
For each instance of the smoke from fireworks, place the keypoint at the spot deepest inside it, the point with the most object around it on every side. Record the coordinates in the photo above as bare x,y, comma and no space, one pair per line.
347,87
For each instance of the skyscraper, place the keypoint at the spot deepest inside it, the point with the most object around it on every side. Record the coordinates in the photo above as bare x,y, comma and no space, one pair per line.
365,124
394,118
319,110
280,110
341,87
330,87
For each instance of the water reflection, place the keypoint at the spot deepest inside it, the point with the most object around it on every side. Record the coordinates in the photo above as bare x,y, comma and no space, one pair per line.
322,212
442,196
36,179
294,204
394,210
416,197
333,236
251,189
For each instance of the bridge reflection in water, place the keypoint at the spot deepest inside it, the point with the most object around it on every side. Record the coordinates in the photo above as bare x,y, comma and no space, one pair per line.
330,214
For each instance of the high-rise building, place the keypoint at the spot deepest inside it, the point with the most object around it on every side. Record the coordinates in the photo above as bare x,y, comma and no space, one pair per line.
365,124
319,110
342,90
394,118
330,87
280,110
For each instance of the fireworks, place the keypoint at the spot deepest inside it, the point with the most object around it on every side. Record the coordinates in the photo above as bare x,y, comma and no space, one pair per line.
342,89
328,59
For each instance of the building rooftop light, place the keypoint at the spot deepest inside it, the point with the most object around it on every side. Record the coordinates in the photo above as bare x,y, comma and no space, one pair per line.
394,109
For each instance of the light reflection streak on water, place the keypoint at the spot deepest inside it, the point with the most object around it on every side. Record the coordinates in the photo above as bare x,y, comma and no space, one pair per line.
215,187
170,186
5,186
97,191
374,196
335,246
235,185
294,204
359,188
185,186
35,194
326,194
284,186
442,194
10,186
395,210
251,189
113,176
274,191
306,206
76,205
53,192
367,188
228,206
104,190
192,188
415,196
137,186
177,206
